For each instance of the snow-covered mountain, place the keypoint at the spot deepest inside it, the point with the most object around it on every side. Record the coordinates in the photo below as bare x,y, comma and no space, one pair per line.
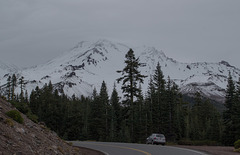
84,67
5,71
7,68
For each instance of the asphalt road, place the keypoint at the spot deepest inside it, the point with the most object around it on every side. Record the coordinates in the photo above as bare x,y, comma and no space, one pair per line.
135,149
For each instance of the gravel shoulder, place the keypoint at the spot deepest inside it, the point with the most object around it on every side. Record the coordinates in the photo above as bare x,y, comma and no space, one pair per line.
212,150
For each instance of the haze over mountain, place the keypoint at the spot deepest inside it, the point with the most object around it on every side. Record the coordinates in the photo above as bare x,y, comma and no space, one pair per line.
84,68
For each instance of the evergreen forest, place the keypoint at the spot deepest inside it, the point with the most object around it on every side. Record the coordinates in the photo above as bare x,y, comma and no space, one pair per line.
108,117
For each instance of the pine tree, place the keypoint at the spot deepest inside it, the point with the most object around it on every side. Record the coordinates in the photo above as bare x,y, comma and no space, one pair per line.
14,84
229,132
21,82
35,101
9,87
236,111
149,108
214,130
94,94
159,101
26,97
172,99
204,120
96,120
115,116
180,123
139,134
131,76
105,113
86,113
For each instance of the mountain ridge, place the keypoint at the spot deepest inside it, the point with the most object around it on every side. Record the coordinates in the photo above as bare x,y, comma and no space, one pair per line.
89,63
6,68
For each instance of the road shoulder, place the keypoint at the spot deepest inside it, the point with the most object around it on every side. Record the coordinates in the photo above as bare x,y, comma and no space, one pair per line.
213,150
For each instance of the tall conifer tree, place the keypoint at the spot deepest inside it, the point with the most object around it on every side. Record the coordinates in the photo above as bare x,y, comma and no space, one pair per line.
131,76
21,81
149,107
104,111
229,132
14,84
159,103
115,115
237,110
9,87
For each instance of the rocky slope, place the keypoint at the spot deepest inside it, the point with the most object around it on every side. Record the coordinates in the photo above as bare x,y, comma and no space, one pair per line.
29,138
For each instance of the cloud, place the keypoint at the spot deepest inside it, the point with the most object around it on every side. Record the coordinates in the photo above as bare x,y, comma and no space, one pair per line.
186,30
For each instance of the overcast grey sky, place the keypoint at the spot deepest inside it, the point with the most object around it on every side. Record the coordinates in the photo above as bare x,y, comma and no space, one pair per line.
35,31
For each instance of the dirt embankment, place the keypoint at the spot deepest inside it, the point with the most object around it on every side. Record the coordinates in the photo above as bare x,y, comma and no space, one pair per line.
30,138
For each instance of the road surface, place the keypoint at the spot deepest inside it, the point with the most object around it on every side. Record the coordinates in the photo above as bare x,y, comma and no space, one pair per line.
135,149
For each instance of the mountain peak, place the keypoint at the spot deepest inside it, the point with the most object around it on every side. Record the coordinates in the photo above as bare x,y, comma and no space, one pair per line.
225,63
96,43
101,42
84,67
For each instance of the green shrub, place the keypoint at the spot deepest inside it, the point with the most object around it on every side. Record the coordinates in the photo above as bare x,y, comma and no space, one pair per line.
32,117
25,109
237,144
22,107
15,115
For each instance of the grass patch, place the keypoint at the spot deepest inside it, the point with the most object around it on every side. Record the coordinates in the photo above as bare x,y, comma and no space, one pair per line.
237,150
9,122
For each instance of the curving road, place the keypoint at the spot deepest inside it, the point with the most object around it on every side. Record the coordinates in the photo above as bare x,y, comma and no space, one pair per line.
135,149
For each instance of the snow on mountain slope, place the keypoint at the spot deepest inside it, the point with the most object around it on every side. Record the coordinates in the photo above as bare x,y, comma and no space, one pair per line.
5,69
84,67
208,78
81,69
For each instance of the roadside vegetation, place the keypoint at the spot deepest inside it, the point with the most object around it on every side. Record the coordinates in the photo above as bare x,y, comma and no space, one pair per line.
237,146
106,117
15,115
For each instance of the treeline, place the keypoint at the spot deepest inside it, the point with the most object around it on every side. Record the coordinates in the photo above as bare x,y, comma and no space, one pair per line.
231,117
104,117
10,86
